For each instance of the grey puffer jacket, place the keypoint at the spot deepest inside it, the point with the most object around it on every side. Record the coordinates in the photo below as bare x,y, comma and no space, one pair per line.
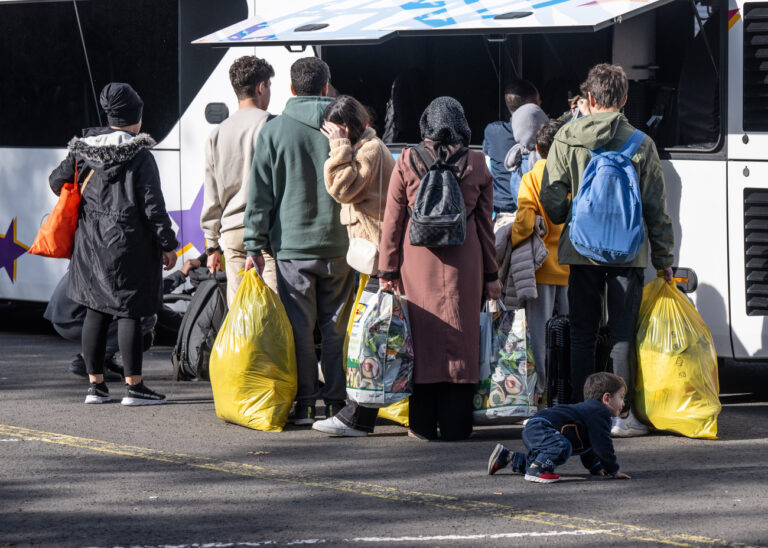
517,267
123,226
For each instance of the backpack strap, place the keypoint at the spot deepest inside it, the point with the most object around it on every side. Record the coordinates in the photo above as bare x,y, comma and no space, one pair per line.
629,147
632,144
425,156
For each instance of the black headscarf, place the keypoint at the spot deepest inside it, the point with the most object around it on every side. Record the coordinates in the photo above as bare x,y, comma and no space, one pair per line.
122,104
444,121
444,125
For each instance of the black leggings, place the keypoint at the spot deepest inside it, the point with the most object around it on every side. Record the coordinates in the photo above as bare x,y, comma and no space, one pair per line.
95,330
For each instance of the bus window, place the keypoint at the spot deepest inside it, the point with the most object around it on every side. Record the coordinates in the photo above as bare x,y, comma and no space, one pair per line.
396,80
674,91
674,87
45,94
690,95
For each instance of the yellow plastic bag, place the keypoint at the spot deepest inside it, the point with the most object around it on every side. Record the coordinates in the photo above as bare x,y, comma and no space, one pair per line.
397,412
677,386
253,362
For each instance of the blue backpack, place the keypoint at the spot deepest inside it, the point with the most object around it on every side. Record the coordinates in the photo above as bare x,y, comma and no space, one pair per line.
607,215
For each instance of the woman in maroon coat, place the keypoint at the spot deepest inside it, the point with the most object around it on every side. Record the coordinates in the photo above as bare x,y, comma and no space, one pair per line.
444,286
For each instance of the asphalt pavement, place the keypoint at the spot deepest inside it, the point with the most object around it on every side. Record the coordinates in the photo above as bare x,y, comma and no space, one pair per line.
175,475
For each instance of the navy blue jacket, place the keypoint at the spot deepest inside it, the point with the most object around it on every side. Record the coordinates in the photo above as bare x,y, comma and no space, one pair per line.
587,425
498,139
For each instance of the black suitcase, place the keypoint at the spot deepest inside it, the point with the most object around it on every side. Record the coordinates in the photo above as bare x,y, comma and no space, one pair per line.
558,358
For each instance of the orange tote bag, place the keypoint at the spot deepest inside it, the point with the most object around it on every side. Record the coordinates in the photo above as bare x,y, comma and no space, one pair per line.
56,236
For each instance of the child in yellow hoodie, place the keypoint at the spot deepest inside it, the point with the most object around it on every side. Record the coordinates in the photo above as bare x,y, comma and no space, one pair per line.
551,277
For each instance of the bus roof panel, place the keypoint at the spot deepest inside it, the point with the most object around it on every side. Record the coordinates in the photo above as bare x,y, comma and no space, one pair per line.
371,21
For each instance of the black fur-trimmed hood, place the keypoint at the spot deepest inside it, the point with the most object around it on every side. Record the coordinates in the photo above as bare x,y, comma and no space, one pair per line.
110,149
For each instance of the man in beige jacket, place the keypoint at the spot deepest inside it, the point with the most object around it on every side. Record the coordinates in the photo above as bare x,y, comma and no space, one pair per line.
228,158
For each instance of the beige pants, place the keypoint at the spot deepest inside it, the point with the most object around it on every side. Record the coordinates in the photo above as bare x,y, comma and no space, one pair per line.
231,243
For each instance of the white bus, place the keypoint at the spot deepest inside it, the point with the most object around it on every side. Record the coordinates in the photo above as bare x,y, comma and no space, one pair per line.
55,58
698,74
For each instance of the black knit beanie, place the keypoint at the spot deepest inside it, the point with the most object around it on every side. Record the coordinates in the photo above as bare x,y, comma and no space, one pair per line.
122,104
444,121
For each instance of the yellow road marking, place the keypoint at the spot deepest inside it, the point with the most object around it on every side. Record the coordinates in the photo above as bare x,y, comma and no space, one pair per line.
475,507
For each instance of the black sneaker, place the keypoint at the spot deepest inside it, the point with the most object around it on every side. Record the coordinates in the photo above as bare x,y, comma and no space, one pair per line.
332,408
112,371
499,459
304,415
97,393
139,394
77,367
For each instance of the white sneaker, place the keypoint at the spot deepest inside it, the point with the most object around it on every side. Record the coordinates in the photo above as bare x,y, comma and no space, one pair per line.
628,428
335,427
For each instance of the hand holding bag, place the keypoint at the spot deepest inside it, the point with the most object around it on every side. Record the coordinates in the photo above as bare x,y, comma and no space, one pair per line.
56,236
363,255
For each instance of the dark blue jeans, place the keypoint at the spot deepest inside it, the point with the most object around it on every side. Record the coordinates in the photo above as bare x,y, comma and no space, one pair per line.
546,446
587,287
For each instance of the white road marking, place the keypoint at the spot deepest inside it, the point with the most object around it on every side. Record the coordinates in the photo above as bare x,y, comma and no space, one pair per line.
358,540
479,537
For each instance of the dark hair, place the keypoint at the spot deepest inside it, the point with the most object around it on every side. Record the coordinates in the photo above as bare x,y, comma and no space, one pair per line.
546,135
598,384
519,93
309,75
607,84
246,73
348,111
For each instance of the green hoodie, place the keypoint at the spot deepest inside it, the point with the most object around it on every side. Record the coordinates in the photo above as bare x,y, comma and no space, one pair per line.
566,162
288,208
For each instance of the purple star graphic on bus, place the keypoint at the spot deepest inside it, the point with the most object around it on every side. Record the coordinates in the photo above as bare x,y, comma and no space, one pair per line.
188,221
10,250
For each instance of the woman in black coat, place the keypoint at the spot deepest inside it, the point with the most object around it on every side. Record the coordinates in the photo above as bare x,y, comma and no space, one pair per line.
123,239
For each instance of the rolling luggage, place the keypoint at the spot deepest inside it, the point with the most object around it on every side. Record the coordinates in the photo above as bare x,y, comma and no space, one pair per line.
558,358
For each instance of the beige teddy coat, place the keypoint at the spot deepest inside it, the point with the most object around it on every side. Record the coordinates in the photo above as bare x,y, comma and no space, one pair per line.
352,178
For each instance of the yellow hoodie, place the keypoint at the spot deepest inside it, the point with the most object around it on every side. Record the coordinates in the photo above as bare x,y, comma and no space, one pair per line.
528,206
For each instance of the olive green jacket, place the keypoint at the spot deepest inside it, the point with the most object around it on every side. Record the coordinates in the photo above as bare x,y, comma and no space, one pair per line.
568,158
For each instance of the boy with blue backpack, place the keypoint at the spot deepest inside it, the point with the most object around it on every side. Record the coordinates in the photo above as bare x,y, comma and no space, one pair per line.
618,211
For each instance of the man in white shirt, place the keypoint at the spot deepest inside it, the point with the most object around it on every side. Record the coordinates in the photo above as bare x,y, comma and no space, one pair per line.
228,158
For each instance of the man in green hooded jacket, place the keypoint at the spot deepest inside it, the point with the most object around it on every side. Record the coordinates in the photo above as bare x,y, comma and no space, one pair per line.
289,210
606,89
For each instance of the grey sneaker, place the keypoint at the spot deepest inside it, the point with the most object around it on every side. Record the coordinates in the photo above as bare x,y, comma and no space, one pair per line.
140,394
97,393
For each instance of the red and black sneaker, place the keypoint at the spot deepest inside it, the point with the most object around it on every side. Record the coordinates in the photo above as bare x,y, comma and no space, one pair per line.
538,474
499,458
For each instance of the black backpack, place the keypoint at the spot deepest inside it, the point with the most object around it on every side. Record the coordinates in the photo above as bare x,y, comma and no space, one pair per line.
201,323
438,217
